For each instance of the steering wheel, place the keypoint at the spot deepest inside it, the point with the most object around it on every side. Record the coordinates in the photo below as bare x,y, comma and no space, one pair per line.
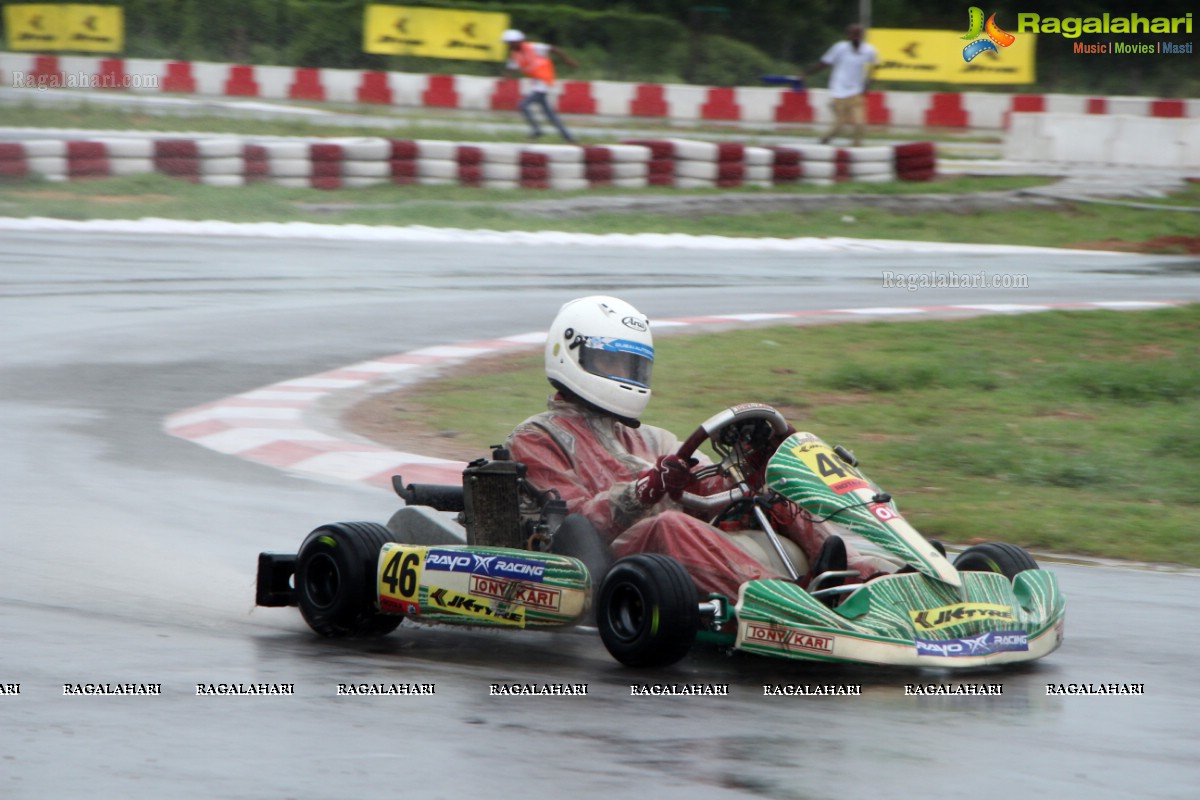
741,437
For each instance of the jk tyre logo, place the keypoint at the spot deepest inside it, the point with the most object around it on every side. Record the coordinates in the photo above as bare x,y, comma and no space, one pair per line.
931,619
984,38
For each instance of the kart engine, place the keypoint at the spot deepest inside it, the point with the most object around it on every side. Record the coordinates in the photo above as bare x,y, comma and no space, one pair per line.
495,504
492,503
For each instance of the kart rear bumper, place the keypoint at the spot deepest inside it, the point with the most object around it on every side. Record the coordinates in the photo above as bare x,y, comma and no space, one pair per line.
274,587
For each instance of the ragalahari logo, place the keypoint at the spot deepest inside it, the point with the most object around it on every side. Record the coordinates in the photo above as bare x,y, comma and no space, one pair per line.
979,42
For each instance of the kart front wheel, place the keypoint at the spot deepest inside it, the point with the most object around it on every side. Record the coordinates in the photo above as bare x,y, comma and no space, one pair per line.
647,610
335,580
1006,559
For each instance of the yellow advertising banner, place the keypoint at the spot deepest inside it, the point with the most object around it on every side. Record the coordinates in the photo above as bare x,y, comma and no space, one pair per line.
96,29
952,57
434,33
43,27
33,27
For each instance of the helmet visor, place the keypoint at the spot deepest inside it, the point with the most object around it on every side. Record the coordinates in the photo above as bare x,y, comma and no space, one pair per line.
618,359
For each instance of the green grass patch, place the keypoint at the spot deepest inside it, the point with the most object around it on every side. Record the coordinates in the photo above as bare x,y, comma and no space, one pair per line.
392,125
422,122
139,196
1076,432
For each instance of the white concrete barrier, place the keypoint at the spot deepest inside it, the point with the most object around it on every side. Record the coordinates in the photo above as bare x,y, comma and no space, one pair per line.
1104,140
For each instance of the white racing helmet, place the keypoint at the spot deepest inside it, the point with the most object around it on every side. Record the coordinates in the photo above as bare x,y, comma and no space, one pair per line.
512,35
599,349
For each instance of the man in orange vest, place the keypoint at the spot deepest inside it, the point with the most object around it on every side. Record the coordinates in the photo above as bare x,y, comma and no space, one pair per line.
534,60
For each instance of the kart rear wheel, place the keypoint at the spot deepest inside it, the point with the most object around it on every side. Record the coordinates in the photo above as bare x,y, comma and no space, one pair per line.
1006,559
335,580
647,611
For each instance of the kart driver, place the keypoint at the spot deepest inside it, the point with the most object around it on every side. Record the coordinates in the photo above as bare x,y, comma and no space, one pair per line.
625,477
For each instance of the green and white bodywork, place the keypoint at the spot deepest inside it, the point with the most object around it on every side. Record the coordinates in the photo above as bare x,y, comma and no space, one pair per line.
934,616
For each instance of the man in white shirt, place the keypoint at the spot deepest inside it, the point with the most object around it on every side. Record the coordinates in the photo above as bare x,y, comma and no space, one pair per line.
852,61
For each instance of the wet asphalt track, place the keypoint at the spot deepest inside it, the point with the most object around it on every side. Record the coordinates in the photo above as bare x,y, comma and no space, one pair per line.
128,555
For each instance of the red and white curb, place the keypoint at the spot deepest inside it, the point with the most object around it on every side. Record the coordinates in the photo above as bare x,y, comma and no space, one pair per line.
756,105
278,425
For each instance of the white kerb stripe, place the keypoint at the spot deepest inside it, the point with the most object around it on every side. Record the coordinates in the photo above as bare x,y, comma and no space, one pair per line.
239,440
881,311
357,466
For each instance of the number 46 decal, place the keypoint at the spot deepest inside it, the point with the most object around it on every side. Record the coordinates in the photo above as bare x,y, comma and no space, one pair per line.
830,467
402,574
837,474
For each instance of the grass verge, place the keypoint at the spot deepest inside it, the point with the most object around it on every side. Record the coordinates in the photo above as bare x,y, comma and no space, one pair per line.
1075,432
422,123
139,196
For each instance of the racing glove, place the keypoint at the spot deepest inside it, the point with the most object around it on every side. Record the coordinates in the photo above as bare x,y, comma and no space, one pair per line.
669,476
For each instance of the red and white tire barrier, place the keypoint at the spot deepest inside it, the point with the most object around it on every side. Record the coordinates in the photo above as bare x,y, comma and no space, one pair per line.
216,162
916,161
271,425
347,162
625,166
692,164
751,105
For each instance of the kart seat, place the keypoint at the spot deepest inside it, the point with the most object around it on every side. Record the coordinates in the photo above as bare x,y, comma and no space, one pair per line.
756,544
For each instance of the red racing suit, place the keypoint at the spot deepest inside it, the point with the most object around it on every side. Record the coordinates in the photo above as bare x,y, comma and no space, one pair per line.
593,461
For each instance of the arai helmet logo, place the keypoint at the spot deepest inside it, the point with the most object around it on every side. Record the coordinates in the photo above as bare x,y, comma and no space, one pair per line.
635,323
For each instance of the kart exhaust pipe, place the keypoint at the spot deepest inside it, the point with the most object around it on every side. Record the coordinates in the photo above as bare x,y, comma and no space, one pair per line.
437,496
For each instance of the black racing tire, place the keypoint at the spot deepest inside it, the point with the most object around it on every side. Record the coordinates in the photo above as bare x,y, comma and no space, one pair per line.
648,611
1006,559
335,580
578,538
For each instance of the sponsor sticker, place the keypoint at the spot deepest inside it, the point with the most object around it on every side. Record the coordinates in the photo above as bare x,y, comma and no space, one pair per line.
541,598
883,512
932,619
788,638
984,644
453,602
849,485
495,566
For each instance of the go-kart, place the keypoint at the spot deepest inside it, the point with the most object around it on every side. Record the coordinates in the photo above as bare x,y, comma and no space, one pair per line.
515,558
